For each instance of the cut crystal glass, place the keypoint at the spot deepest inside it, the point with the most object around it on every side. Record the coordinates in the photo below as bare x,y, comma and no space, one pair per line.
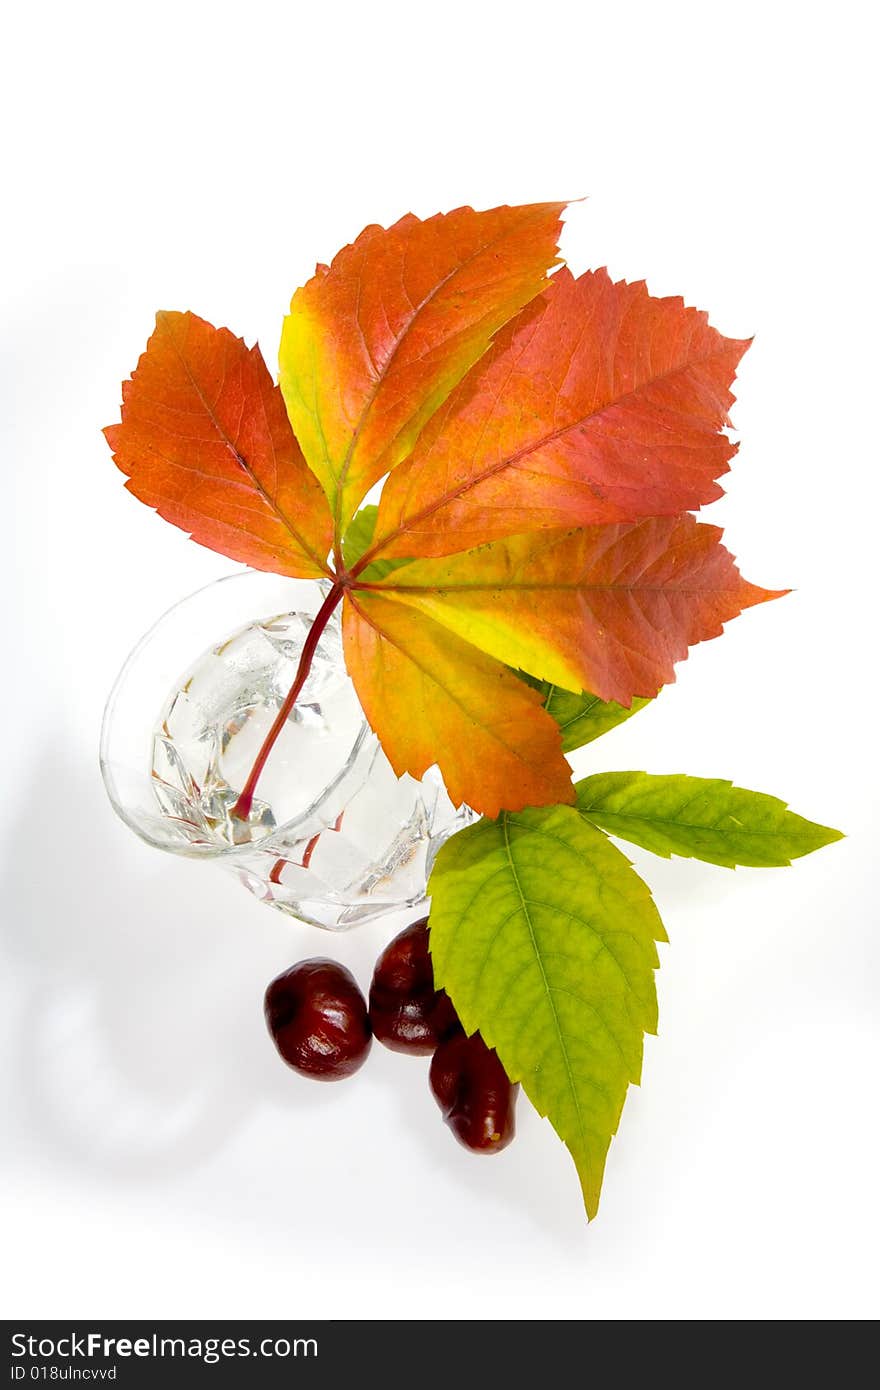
334,837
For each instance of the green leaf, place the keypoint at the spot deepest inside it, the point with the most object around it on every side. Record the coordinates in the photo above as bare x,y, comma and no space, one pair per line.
359,535
358,539
544,936
581,717
700,818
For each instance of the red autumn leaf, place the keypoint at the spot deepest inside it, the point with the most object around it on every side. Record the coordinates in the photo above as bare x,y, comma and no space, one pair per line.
205,439
607,608
598,403
374,344
571,440
433,698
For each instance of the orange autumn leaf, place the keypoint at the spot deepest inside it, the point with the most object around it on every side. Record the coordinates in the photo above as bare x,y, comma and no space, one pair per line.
599,403
205,439
608,609
544,442
375,343
433,698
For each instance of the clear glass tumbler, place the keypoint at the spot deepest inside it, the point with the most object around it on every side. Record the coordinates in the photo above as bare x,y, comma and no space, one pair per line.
334,837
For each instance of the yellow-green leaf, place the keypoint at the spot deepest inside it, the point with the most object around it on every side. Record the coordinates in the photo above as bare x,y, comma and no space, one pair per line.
544,937
700,818
356,542
581,718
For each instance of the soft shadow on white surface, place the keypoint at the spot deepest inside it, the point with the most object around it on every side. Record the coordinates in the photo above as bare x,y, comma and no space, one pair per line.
130,1055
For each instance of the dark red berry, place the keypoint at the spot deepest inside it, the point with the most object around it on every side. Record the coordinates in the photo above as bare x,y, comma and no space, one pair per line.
318,1019
407,1013
471,1087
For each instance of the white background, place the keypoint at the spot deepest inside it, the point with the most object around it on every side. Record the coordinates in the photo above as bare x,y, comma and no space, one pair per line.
157,1157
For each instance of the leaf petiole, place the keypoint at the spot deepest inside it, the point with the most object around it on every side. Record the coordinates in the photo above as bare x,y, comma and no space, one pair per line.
242,808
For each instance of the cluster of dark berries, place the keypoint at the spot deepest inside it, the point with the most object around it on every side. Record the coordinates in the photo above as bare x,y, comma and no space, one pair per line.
323,1028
